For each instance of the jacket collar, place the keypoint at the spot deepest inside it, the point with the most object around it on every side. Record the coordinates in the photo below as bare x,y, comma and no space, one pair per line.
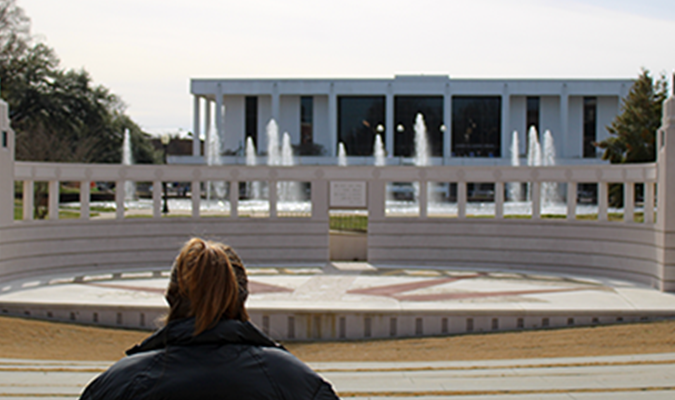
180,333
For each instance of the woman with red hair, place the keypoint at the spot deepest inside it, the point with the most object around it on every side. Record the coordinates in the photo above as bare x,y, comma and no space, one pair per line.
208,348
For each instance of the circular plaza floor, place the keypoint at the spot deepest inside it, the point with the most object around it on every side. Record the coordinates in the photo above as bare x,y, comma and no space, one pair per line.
473,300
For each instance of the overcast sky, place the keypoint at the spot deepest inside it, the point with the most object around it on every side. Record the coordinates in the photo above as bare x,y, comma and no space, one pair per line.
146,51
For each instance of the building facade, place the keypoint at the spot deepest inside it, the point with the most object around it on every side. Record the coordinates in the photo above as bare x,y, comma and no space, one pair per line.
467,120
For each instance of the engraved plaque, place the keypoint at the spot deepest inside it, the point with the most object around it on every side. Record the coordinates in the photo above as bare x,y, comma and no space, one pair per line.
348,194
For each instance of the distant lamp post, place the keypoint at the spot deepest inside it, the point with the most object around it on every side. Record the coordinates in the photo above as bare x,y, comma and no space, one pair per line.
443,128
165,139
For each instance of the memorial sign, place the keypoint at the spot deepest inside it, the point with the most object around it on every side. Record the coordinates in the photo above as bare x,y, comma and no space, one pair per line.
348,194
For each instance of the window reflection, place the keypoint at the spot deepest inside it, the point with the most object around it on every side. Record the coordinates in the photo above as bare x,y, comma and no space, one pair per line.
358,119
406,109
476,126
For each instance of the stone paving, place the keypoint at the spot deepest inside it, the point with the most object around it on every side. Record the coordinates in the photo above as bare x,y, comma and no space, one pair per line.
615,377
361,285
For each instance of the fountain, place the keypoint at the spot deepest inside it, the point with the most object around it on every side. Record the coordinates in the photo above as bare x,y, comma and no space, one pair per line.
213,158
273,156
550,197
514,187
378,151
253,187
289,192
533,148
550,193
127,159
342,155
421,142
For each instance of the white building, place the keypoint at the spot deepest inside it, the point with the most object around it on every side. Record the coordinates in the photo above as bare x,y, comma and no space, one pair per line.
469,121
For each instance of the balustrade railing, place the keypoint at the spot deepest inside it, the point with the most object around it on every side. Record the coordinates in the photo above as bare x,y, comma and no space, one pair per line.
421,192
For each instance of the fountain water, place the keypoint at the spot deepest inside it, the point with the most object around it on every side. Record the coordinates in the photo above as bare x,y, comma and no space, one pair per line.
127,159
514,187
254,187
213,158
536,157
273,156
342,155
421,158
550,193
421,142
288,191
286,151
533,154
533,148
378,151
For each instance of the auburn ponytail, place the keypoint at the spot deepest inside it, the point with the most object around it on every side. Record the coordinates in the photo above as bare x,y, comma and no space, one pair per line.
208,282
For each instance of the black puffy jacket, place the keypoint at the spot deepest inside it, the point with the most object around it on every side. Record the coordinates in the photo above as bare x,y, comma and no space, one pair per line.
234,360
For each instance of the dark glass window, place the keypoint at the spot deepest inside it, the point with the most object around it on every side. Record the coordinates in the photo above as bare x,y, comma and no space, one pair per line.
476,126
590,126
4,139
406,109
252,119
306,119
358,121
532,113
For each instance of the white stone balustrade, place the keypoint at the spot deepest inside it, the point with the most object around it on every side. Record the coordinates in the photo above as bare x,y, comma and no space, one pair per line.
642,252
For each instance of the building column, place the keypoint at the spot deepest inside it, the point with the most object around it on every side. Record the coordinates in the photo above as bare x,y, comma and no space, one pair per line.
332,121
564,121
207,128
506,122
219,118
447,121
275,102
389,121
196,150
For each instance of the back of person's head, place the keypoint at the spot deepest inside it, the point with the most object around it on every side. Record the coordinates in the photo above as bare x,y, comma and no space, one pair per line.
208,282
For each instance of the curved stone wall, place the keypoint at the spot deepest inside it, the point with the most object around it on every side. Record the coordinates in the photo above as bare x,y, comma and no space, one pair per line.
54,247
601,249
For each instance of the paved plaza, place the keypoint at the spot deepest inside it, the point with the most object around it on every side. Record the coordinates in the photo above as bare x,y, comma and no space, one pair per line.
617,377
361,286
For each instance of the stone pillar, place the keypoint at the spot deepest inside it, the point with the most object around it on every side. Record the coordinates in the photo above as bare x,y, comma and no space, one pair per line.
461,200
28,200
332,121
85,197
505,134
53,200
447,121
207,128
7,167
499,200
572,201
219,116
196,148
564,119
320,200
156,199
389,121
119,199
376,200
665,216
196,196
276,99
234,199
